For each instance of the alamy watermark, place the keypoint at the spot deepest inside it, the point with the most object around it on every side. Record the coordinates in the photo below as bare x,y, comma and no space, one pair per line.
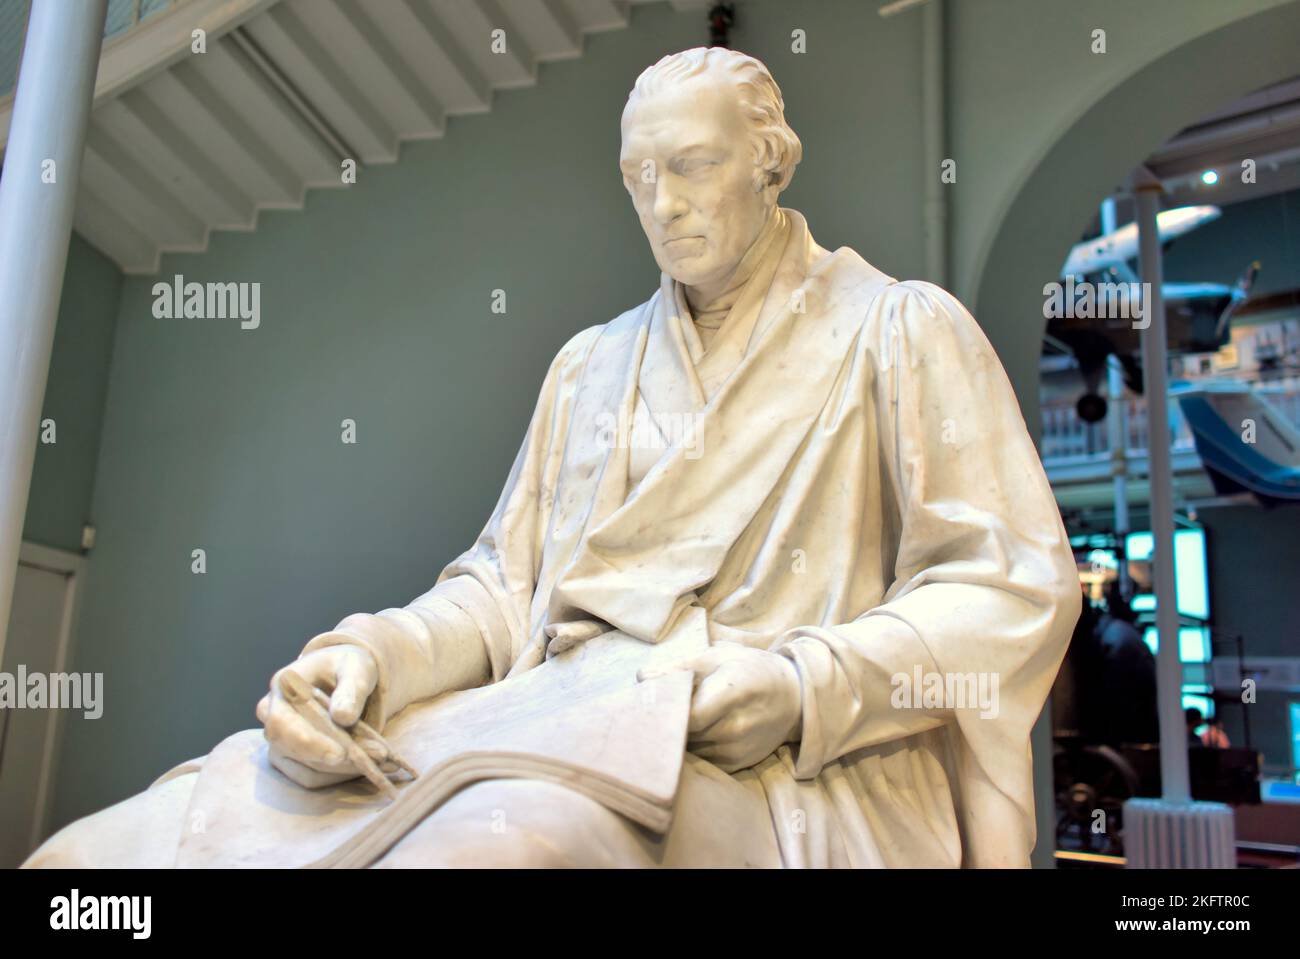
24,690
1097,301
657,432
75,912
209,301
927,690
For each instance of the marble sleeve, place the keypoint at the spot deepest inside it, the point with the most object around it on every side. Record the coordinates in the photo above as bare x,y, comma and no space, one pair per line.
469,628
984,581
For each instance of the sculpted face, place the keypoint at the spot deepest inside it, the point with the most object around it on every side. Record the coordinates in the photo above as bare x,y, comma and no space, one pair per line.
688,162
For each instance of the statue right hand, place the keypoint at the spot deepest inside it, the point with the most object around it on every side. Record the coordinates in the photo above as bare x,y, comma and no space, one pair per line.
298,749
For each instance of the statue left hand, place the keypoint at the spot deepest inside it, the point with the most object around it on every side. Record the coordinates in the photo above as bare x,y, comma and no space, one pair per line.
747,703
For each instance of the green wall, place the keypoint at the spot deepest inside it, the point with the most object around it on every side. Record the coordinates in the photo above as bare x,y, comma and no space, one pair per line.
1267,229
63,478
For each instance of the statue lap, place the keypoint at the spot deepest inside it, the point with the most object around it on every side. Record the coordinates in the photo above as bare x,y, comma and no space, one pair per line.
720,820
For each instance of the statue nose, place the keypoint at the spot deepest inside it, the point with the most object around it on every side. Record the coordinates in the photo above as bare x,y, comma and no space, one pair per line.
668,205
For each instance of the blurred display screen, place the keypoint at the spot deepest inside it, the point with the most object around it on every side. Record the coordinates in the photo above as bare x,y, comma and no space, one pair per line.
1192,580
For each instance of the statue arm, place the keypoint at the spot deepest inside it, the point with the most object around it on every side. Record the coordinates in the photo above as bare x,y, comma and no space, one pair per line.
428,647
472,625
985,584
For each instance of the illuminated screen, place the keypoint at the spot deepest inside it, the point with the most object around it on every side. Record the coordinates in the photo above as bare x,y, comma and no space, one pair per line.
1192,586
1204,703
1295,734
1193,643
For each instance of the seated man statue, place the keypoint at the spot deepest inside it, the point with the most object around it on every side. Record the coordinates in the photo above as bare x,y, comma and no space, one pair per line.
825,468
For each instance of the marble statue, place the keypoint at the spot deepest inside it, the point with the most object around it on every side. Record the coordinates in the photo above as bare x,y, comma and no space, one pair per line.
776,579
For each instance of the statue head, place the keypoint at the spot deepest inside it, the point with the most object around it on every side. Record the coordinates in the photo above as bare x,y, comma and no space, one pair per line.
706,153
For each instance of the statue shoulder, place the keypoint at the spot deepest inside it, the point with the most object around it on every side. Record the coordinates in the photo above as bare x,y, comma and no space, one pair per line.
919,310
924,321
579,348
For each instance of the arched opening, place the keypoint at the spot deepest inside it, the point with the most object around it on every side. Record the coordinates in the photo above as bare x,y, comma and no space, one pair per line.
1061,195
1095,155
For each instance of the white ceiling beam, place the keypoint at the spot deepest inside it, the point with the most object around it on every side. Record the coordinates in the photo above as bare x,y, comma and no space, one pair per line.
292,48
397,69
446,41
517,50
237,144
285,133
598,16
112,234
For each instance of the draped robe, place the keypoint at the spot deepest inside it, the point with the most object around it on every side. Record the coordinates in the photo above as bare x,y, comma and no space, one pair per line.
842,477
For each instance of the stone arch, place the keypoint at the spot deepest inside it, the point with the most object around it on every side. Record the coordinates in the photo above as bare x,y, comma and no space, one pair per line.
1095,154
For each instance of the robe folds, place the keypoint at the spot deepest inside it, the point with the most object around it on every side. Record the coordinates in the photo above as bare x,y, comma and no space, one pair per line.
843,477
853,488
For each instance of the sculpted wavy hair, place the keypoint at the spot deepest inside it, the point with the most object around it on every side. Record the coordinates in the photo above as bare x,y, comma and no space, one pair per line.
776,147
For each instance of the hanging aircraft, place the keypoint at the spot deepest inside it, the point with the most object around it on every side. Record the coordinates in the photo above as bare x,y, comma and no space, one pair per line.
1243,442
1198,315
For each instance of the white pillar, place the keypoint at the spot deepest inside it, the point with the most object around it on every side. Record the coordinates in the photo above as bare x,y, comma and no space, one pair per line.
1169,669
1117,423
47,131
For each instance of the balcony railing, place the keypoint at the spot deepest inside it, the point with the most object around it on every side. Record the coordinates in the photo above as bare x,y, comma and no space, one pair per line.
1067,440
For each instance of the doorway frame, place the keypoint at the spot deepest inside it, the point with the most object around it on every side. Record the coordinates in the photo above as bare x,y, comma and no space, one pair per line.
72,567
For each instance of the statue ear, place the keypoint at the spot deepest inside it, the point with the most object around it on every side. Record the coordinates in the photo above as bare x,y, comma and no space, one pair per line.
771,189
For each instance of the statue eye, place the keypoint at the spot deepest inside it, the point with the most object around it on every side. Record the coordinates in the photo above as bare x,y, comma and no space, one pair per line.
687,167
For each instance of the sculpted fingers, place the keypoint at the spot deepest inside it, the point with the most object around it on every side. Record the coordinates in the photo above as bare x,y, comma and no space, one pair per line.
716,697
293,736
356,676
729,757
305,775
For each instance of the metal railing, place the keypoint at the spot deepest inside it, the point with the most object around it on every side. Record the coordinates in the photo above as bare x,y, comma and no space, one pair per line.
1067,439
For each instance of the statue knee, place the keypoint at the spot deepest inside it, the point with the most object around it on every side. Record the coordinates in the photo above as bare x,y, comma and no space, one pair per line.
139,832
510,824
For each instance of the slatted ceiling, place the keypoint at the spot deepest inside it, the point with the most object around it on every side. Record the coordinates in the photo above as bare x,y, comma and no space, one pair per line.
416,111
185,135
427,76
284,145
155,212
472,25
109,231
240,146
366,79
265,114
598,16
166,111
324,80
463,87
153,154
552,27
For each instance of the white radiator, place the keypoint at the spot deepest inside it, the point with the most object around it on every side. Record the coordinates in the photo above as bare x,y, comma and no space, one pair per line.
1160,834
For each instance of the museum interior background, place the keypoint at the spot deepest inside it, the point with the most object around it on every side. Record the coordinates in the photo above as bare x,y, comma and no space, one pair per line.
376,306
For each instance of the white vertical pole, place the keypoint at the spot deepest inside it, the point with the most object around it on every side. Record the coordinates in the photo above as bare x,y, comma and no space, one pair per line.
1117,422
38,189
1169,669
